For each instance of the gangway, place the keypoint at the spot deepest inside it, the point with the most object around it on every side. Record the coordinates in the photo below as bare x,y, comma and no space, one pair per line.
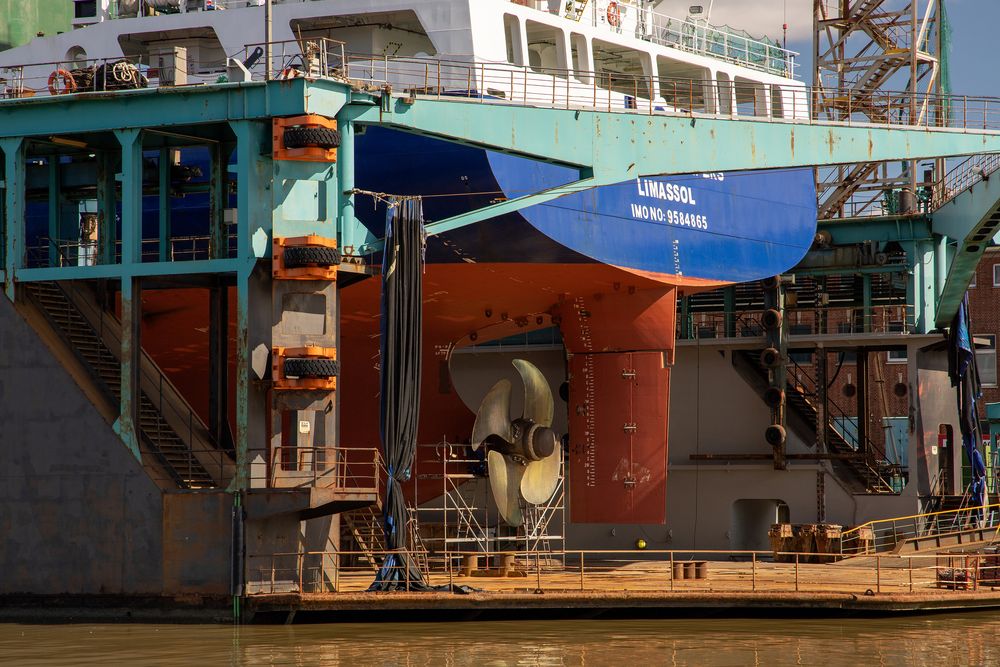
967,527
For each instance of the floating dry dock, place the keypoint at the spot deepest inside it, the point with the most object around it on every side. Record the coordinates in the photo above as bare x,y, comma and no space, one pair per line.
118,494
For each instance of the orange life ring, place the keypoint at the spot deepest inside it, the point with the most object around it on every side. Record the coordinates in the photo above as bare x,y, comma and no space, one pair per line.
68,82
614,15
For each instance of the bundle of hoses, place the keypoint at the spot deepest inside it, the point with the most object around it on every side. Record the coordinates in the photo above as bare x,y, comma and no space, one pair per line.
402,273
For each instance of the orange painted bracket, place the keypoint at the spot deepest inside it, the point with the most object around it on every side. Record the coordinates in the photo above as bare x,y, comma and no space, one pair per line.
307,154
283,383
279,271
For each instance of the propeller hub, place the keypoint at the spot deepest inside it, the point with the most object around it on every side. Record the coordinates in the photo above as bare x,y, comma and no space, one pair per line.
537,442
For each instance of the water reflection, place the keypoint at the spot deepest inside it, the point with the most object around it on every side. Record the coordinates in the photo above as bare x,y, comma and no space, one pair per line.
920,641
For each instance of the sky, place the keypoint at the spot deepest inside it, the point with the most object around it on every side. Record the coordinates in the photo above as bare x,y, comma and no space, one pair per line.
973,33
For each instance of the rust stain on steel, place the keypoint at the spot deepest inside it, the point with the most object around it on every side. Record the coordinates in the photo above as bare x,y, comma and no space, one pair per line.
831,141
871,144
791,139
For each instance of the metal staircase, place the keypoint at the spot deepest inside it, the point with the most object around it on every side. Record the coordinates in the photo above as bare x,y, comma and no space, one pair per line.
362,534
89,345
863,465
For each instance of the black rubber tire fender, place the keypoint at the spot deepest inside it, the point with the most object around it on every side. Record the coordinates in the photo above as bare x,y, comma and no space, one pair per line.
300,256
311,368
318,137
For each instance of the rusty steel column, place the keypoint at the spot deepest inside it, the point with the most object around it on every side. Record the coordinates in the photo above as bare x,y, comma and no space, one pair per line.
14,206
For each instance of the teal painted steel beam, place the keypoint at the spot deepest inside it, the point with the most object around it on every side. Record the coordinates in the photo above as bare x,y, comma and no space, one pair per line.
14,181
131,143
972,218
54,204
624,145
146,270
163,190
106,207
849,232
165,107
502,208
254,220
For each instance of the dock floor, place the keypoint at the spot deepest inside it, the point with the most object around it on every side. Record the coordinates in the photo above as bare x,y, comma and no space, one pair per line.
869,585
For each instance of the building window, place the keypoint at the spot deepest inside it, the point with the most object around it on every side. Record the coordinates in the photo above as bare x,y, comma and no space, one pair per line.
996,275
986,359
896,356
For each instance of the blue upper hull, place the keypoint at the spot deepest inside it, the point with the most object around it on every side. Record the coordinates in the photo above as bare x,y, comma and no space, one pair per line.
731,227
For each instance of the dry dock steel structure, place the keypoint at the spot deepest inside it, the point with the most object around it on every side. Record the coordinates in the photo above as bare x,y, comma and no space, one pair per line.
115,489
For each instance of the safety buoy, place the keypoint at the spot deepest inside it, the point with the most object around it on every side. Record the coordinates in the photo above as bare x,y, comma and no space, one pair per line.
68,82
614,15
289,73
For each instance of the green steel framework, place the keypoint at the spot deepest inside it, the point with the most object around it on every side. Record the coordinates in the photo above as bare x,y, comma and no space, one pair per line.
284,198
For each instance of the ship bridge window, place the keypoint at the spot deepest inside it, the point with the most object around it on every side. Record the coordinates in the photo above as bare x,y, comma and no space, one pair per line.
546,48
751,97
622,70
685,86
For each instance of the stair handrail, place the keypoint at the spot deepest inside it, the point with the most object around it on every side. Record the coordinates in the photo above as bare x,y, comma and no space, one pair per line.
872,456
891,531
200,442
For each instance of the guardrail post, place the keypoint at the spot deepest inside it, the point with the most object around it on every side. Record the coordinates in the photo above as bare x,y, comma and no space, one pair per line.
582,576
796,573
671,570
753,572
878,574
910,568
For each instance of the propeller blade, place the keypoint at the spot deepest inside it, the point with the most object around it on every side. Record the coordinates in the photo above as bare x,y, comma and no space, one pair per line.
538,404
493,417
505,480
542,477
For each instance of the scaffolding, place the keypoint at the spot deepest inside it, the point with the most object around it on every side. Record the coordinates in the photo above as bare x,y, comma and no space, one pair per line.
879,61
464,519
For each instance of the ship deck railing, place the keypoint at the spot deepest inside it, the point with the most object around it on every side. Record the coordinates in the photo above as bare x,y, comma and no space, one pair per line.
692,35
507,84
629,571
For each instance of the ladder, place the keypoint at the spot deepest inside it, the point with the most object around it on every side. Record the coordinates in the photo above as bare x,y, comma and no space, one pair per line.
575,8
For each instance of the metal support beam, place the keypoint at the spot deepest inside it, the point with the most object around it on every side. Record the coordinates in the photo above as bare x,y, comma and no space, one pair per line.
55,210
131,347
862,400
107,207
973,218
218,366
217,244
624,145
253,294
164,201
131,142
14,180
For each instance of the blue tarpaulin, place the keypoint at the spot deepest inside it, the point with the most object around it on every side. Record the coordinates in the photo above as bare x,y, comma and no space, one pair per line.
965,376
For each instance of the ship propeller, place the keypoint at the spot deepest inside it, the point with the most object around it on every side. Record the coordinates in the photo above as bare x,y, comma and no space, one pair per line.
523,454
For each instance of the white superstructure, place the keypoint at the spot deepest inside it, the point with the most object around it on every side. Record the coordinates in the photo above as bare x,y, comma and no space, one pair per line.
614,53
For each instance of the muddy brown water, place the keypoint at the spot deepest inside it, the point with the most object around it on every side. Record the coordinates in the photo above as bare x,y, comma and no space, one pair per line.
966,639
